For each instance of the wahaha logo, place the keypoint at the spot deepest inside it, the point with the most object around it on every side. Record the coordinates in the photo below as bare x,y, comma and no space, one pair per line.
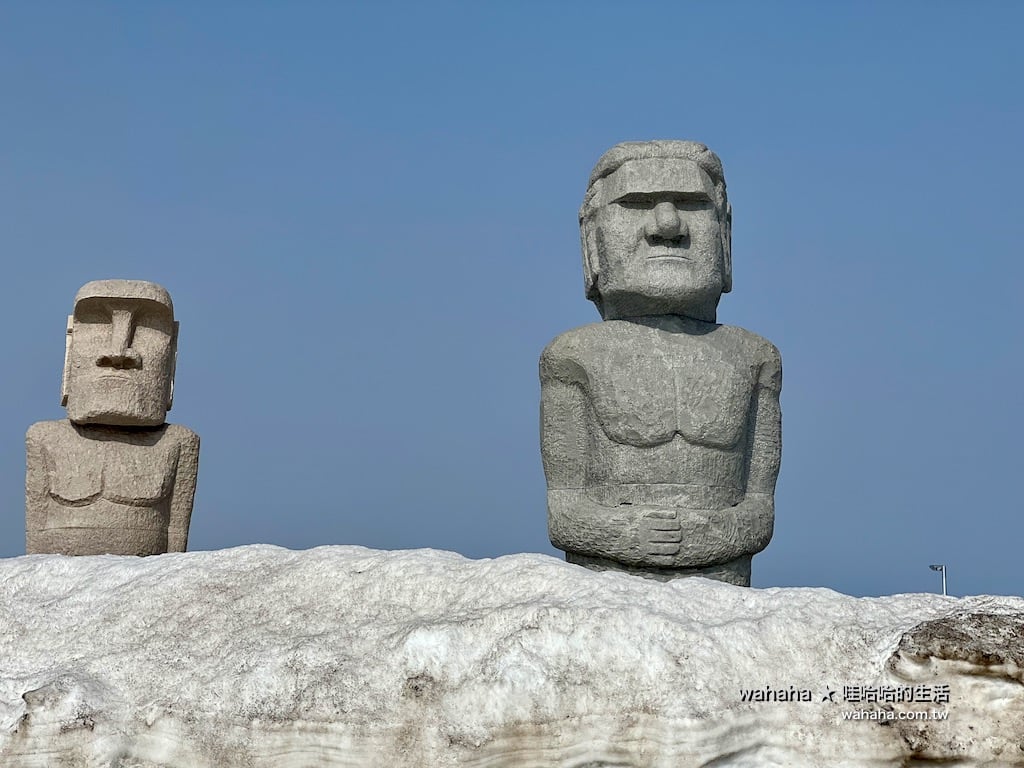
776,694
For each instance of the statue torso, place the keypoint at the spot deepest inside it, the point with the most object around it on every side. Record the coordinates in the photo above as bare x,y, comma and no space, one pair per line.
107,478
668,410
84,470
649,391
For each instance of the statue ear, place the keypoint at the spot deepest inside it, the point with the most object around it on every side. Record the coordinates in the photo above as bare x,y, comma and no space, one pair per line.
727,249
591,267
174,365
64,381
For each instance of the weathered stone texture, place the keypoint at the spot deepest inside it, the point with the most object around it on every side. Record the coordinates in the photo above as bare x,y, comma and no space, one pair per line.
114,477
660,429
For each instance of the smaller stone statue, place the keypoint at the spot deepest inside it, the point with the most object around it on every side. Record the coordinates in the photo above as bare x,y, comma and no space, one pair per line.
113,478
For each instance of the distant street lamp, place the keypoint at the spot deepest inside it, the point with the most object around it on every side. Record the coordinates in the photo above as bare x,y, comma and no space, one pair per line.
942,570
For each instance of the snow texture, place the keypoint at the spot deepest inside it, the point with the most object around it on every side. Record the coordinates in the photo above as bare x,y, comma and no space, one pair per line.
262,657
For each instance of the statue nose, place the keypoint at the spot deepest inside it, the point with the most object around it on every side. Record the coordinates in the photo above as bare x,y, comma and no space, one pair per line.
120,353
667,222
120,362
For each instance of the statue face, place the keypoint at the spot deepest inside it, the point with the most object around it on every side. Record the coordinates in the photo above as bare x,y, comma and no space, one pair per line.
120,358
657,239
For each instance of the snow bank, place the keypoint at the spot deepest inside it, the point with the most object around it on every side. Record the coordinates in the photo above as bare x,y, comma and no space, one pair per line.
264,657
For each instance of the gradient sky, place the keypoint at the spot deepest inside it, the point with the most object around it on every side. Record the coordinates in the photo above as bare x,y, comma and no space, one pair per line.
367,220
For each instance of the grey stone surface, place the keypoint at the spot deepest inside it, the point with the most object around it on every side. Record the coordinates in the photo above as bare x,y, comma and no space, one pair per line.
113,478
660,429
983,652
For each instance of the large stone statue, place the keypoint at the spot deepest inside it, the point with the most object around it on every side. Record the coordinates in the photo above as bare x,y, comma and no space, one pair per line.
114,477
660,429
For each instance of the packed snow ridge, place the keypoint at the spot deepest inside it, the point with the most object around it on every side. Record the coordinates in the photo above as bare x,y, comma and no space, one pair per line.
264,657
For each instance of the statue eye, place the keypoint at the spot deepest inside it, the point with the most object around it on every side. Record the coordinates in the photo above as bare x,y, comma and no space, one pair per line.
638,202
683,201
92,312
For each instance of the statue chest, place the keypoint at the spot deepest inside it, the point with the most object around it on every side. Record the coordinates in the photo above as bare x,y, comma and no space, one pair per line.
647,397
82,471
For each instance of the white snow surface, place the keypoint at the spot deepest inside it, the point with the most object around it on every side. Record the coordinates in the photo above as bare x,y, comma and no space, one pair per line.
263,657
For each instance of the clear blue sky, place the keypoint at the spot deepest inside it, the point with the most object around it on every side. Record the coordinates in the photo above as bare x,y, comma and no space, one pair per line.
367,219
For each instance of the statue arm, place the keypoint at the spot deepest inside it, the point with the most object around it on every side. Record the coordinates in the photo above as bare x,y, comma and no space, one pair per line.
36,490
756,512
576,523
184,491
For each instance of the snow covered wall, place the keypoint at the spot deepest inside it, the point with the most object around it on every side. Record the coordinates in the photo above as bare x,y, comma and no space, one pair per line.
261,657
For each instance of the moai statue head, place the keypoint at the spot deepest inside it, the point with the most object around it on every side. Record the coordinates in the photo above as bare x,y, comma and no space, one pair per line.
656,230
120,354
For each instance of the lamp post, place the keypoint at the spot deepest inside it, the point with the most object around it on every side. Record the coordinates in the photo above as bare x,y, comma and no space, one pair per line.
941,569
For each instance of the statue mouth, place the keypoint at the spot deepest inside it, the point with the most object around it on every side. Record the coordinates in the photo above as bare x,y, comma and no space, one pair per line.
676,254
659,247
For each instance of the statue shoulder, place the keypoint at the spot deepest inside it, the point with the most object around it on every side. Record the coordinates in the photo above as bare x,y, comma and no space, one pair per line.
179,435
46,433
760,352
758,347
568,355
